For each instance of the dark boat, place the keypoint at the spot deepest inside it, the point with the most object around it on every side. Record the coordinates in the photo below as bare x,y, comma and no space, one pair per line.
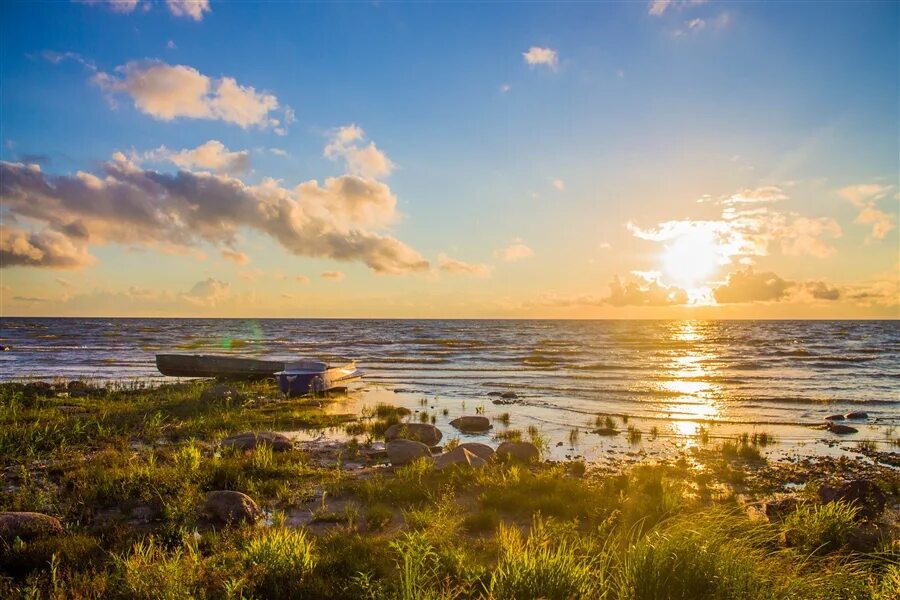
314,377
216,365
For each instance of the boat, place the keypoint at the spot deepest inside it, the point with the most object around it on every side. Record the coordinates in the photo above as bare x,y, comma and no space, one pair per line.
217,365
315,377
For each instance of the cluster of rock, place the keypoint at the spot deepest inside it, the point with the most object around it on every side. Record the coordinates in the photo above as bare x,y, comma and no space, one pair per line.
833,427
407,442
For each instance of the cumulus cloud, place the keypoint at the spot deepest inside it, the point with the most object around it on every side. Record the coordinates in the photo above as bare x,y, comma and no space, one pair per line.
865,196
212,156
644,293
559,184
126,204
119,6
363,160
541,57
238,258
459,267
208,292
333,275
749,286
166,92
820,290
517,250
658,8
192,9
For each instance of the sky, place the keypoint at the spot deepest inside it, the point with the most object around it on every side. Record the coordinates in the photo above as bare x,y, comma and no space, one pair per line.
664,159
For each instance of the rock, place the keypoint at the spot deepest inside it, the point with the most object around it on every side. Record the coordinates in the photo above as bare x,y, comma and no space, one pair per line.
27,526
458,456
509,395
436,450
521,451
419,432
862,492
841,429
777,510
249,441
606,431
834,418
480,450
228,506
221,392
471,424
857,415
495,393
77,385
403,452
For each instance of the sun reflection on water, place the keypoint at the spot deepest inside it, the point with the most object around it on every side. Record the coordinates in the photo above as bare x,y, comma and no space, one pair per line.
696,399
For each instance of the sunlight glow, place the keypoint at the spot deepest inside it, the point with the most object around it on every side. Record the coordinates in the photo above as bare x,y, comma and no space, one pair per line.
692,259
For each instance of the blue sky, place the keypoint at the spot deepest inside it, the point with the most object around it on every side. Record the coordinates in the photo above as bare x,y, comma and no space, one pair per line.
645,109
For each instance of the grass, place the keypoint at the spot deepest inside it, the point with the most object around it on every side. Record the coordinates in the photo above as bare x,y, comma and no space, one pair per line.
129,477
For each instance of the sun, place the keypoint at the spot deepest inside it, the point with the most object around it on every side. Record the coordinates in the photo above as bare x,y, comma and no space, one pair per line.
691,259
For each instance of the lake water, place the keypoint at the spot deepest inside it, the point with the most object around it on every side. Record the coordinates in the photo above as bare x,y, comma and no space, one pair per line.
743,373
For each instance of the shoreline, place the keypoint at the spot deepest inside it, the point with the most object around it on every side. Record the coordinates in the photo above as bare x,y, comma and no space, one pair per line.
126,478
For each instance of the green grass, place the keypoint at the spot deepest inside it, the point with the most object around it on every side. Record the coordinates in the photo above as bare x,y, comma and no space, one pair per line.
820,529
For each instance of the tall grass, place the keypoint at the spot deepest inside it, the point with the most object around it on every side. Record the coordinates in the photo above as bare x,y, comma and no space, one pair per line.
279,560
820,528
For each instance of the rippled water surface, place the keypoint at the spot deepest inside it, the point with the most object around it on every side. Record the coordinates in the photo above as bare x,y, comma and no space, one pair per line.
738,371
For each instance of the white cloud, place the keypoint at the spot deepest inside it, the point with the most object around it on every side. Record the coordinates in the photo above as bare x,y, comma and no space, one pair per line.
171,45
749,286
212,156
278,152
333,275
505,88
166,92
208,292
338,219
119,6
238,258
658,7
365,161
301,279
644,293
537,56
865,197
559,184
458,267
517,250
192,9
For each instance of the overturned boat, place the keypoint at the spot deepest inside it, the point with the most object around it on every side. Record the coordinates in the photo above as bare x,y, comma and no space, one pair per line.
315,377
295,377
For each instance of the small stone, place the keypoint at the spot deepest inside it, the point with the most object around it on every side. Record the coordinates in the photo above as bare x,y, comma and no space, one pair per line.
420,432
857,415
834,418
27,526
521,451
471,424
228,506
403,452
458,456
250,441
606,431
509,395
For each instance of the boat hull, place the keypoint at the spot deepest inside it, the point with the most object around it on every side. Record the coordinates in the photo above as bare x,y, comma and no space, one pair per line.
299,382
211,365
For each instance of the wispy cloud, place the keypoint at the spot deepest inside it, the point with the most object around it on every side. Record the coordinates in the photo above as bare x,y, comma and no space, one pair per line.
865,197
516,250
333,275
212,156
459,267
238,258
191,9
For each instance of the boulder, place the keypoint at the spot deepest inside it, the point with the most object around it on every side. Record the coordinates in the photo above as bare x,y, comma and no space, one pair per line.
403,452
867,496
221,393
777,510
458,456
606,431
509,395
480,450
841,429
228,506
250,440
27,526
857,415
834,418
471,424
419,432
521,451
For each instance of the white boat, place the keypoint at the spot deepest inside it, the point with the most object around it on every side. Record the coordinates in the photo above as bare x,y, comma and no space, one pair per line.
313,376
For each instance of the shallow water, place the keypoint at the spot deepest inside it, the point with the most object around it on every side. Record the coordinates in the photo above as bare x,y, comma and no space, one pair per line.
752,372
